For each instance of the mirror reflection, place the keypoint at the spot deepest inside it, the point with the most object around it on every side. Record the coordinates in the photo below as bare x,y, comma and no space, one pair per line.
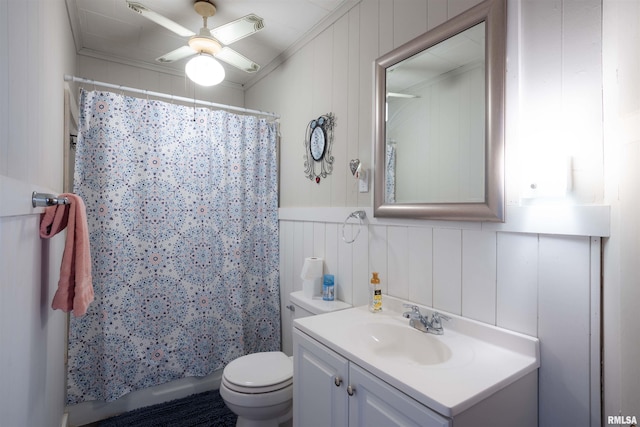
435,130
317,144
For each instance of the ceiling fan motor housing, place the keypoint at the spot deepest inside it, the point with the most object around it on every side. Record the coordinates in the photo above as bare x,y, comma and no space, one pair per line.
203,42
205,8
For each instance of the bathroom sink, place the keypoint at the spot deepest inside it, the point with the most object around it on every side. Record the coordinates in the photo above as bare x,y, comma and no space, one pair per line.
401,343
448,373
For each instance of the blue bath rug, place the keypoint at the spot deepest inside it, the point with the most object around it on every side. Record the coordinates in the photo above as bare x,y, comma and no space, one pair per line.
198,410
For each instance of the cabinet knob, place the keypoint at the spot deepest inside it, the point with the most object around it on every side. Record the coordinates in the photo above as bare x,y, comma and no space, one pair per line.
337,381
350,390
291,307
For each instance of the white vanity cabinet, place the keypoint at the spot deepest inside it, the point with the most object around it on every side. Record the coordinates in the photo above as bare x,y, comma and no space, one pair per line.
329,390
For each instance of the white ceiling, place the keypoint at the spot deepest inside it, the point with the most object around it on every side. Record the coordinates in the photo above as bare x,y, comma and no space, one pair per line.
108,29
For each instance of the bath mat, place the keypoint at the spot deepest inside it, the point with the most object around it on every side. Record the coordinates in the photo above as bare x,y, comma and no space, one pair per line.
198,410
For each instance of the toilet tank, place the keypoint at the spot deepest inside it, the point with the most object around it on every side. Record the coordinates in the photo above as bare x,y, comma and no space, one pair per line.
301,306
304,306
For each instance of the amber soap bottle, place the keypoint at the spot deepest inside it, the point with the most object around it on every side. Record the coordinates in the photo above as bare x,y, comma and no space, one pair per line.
375,294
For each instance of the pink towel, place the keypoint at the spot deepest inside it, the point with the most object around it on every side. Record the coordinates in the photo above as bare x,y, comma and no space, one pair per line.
75,291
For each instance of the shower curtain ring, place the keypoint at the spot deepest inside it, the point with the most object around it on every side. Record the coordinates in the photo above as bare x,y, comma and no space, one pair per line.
360,216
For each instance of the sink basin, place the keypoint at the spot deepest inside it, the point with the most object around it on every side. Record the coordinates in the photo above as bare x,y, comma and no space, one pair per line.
401,343
448,373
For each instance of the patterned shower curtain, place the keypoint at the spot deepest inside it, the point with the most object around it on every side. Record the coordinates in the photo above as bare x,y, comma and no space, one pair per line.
182,212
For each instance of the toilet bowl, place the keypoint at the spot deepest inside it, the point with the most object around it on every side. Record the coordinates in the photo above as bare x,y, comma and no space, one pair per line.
258,388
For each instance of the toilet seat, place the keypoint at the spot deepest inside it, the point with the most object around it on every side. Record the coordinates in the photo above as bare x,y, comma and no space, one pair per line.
259,373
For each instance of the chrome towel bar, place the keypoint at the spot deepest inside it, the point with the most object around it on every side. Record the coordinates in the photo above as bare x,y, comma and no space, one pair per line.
40,200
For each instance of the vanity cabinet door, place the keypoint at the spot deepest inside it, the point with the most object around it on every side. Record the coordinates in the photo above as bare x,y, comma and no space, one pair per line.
375,403
320,379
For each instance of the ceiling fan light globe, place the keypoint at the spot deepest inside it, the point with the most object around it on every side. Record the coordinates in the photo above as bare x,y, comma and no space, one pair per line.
204,70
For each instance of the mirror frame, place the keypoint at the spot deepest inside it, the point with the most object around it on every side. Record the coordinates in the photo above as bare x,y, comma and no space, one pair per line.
493,13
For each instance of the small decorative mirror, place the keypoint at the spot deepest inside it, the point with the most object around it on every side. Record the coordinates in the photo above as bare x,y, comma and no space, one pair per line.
439,116
319,137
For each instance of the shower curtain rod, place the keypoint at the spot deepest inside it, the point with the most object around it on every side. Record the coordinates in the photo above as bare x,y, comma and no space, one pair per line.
68,78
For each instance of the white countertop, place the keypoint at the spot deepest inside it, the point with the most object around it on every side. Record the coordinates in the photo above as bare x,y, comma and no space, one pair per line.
484,358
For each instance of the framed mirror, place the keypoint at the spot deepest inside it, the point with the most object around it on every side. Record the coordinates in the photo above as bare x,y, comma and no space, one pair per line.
439,121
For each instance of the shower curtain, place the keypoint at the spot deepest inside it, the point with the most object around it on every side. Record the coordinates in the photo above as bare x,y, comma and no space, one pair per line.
182,212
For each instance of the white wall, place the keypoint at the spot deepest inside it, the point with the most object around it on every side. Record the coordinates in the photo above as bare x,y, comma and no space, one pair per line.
543,283
36,50
621,289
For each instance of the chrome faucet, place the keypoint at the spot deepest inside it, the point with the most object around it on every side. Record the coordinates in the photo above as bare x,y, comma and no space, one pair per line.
422,323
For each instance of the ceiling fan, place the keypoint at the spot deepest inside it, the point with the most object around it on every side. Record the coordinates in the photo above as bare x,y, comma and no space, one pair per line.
207,43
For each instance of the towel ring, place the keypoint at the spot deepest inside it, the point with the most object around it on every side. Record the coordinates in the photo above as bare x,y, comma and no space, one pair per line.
360,215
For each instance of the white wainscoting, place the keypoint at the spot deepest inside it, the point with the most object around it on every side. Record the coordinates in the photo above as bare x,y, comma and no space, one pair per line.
545,285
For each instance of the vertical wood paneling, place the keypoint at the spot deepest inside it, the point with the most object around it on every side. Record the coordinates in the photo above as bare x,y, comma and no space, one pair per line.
4,93
582,92
287,272
436,13
19,139
308,240
517,287
409,20
537,285
456,7
596,343
378,255
295,190
487,276
540,88
322,87
353,95
398,262
36,50
341,174
479,275
368,52
563,329
331,253
346,262
420,274
386,26
299,254
447,270
33,73
322,91
287,259
319,230
361,271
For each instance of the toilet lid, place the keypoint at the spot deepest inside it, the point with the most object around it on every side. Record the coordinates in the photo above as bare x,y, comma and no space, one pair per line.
260,370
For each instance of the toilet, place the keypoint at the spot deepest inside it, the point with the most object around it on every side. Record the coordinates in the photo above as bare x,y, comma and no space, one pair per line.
258,387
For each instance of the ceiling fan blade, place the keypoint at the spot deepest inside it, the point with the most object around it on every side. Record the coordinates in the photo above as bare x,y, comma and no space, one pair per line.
238,29
232,57
159,19
175,55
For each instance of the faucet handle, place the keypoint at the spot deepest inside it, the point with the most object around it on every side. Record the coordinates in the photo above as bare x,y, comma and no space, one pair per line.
436,319
415,311
413,307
